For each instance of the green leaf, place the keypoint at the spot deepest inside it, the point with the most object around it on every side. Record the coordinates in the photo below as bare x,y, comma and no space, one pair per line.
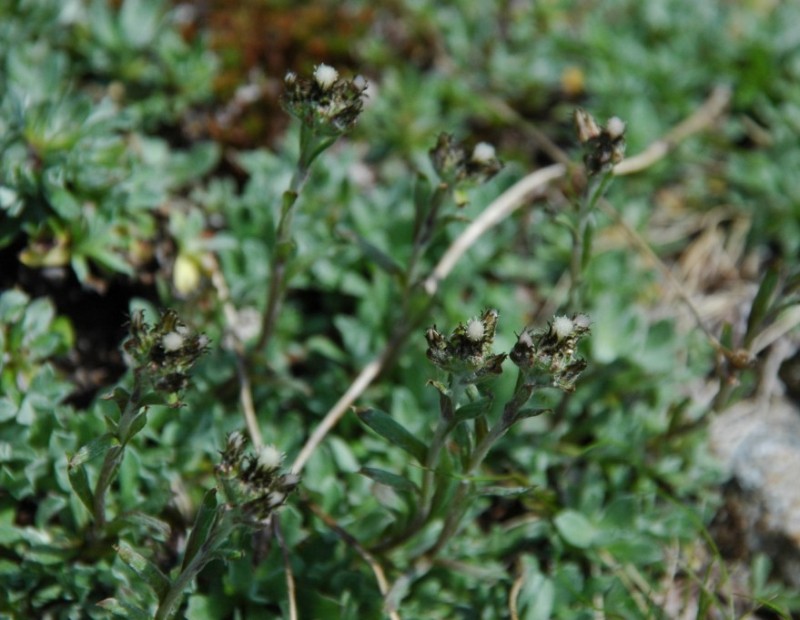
422,202
63,203
143,567
391,430
79,480
399,483
124,610
530,412
462,435
505,491
12,305
120,397
586,251
8,410
203,524
372,252
474,409
93,449
575,528
155,528
760,306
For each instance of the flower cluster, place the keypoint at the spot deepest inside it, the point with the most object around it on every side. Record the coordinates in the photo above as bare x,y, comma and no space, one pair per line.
254,482
164,352
467,353
455,163
326,103
550,354
603,146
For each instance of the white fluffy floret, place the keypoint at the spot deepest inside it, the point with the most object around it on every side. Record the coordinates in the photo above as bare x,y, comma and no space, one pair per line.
582,321
269,457
325,76
483,153
615,127
562,327
475,330
172,341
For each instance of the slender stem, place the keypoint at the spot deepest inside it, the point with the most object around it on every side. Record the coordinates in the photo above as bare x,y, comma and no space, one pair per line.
581,236
280,256
311,145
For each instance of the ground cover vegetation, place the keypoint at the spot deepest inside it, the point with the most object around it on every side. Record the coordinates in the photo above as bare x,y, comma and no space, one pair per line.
407,310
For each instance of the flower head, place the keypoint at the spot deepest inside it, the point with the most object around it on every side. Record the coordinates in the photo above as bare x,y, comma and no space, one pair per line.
603,146
467,352
454,163
164,352
254,482
550,355
327,104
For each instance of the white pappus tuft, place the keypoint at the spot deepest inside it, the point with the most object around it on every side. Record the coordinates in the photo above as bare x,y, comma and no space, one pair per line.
475,330
562,327
483,153
615,127
325,76
172,341
269,457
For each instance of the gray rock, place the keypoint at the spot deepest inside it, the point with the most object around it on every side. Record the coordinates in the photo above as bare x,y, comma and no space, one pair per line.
758,444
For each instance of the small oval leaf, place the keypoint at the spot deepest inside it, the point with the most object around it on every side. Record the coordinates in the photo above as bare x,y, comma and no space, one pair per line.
575,529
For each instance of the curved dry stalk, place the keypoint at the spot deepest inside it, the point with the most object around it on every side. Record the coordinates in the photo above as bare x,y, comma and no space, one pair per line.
503,206
706,114
786,321
291,590
232,319
513,595
361,383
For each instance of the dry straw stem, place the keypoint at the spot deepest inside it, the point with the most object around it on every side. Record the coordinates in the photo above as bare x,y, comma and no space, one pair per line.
502,207
232,319
704,116
291,590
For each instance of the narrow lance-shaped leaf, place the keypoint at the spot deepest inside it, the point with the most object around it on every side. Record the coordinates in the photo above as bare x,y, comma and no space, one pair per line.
530,412
422,199
474,409
124,610
79,480
391,430
96,447
586,250
143,567
399,483
203,524
372,252
760,307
